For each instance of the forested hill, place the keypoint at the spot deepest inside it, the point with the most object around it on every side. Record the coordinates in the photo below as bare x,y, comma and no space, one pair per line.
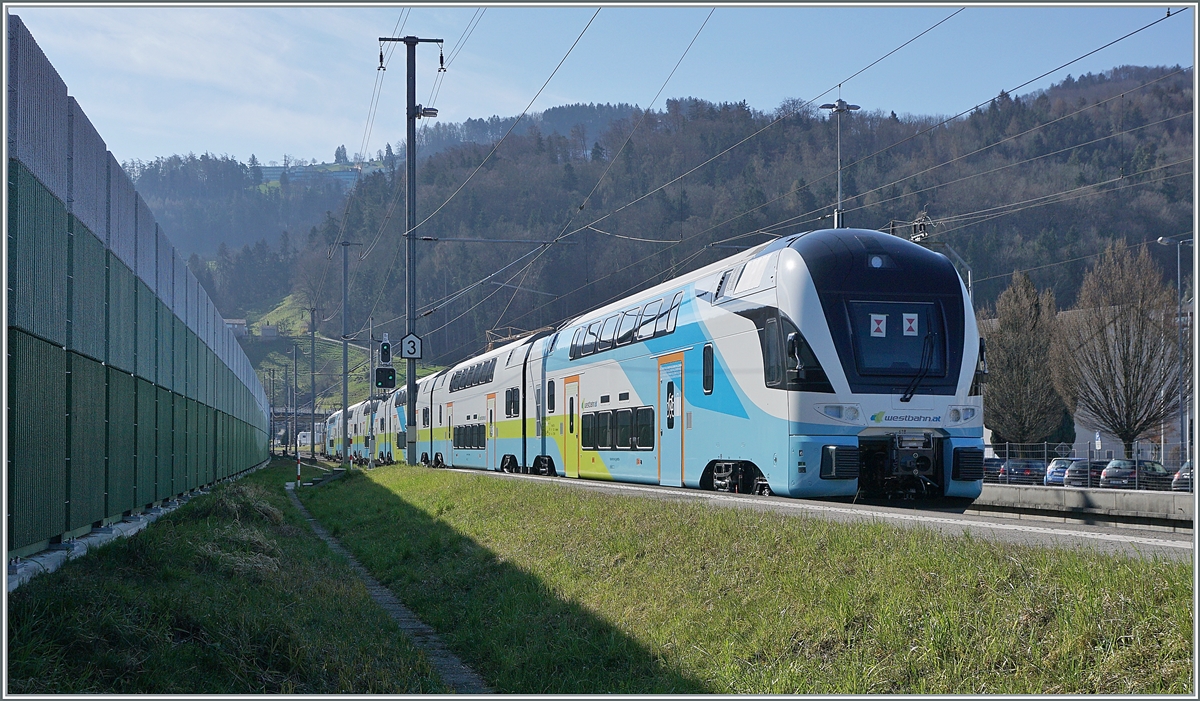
1039,182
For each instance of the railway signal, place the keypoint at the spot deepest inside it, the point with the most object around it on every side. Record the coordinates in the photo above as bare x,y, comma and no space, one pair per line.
385,378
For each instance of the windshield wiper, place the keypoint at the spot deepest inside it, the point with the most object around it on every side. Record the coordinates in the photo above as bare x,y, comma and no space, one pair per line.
926,365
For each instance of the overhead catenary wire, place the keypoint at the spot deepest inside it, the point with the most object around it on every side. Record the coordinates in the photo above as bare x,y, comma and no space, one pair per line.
494,147
728,149
913,136
613,160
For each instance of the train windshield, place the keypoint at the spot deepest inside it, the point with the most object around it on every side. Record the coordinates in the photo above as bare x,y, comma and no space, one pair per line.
898,338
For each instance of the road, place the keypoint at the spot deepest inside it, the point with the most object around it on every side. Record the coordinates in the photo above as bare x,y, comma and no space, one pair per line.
1115,538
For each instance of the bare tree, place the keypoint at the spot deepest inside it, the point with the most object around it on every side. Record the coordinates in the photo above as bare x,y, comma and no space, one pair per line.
1019,400
1116,359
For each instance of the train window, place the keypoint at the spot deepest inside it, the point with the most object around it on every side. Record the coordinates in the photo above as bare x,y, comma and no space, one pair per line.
571,414
550,397
772,353
607,333
675,304
439,414
491,373
708,368
587,436
576,342
649,314
454,382
629,324
623,420
603,430
643,428
508,402
589,339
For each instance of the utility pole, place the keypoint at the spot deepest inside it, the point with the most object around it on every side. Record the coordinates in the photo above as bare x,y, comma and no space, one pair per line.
1183,413
271,428
838,108
370,437
295,404
312,374
345,447
414,113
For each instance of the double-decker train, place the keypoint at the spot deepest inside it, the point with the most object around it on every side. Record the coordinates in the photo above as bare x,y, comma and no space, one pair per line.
831,363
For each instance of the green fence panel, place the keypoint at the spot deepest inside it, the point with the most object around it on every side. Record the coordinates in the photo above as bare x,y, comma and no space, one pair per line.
165,473
179,429
147,443
147,333
37,257
122,444
165,345
122,317
193,443
87,388
36,439
180,353
88,292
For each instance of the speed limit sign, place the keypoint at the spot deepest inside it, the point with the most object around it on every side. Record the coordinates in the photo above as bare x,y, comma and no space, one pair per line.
410,346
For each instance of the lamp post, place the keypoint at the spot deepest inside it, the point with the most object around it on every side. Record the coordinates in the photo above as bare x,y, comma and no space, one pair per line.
838,108
1183,437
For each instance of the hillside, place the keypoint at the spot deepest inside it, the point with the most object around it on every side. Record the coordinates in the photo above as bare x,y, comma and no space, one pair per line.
1040,181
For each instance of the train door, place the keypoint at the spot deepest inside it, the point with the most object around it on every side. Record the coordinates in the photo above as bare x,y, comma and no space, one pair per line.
449,443
571,427
670,420
490,437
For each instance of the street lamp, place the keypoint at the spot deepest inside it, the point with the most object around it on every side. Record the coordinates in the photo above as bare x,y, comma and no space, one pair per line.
1166,241
838,108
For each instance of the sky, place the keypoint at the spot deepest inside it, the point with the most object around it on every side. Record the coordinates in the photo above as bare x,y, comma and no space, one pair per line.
299,80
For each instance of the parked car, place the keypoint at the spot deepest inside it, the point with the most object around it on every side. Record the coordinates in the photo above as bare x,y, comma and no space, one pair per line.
1182,482
1022,472
991,469
1084,473
1150,474
1056,471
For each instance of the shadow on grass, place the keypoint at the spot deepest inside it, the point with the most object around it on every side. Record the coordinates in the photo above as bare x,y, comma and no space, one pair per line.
505,623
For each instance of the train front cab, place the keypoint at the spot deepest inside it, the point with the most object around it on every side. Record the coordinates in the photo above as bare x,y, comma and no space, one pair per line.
888,328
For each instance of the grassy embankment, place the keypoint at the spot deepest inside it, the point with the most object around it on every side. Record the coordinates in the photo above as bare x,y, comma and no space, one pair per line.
230,594
265,354
545,589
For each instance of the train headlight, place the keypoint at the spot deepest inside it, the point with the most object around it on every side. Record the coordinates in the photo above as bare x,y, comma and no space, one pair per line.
960,414
844,413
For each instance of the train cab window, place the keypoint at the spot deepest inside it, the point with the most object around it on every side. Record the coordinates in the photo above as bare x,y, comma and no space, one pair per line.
623,420
674,315
587,423
643,429
649,316
603,430
629,324
589,339
607,333
708,368
550,397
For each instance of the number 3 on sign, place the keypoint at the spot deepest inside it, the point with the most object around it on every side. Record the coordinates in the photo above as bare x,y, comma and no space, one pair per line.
410,346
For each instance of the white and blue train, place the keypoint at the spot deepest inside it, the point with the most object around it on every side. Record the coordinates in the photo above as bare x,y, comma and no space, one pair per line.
832,363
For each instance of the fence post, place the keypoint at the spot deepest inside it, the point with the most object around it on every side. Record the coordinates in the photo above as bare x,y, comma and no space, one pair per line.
1137,451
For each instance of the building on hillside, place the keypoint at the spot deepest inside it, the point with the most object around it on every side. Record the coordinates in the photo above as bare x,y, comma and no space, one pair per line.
269,330
237,326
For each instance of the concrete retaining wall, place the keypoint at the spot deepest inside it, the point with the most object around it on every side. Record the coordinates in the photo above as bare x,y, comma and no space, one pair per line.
1172,506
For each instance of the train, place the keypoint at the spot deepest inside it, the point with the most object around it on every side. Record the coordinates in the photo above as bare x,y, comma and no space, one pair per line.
833,363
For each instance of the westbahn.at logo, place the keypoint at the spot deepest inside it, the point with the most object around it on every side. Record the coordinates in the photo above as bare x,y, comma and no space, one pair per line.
882,416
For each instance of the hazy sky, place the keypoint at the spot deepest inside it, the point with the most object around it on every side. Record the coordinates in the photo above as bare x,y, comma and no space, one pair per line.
299,80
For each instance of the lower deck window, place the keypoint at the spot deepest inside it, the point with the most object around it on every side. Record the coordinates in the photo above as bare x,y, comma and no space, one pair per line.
622,429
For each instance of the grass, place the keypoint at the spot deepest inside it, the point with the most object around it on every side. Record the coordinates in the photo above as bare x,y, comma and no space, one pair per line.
231,594
546,589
